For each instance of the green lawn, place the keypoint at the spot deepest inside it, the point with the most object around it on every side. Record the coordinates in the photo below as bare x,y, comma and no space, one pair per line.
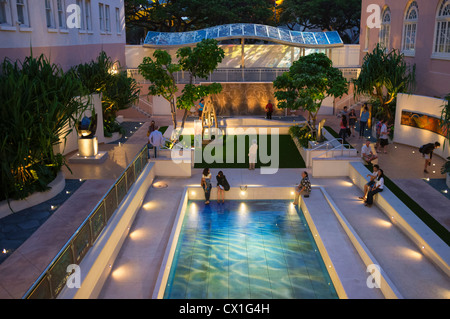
288,154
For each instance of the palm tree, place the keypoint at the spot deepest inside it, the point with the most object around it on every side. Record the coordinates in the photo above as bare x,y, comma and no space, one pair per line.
383,75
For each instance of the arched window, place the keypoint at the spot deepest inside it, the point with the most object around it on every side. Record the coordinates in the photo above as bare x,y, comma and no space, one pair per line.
442,37
385,28
410,28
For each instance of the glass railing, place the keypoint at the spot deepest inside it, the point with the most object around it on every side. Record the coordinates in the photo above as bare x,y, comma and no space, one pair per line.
53,279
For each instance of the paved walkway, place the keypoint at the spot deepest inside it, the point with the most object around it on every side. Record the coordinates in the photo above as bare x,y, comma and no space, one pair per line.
22,268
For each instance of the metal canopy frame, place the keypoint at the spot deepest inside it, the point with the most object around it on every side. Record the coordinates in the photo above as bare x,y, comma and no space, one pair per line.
328,39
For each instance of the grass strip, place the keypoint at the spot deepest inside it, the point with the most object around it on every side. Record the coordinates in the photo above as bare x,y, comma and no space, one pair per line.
288,155
432,223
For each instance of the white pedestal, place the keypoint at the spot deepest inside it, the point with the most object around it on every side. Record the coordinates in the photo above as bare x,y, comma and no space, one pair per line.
88,147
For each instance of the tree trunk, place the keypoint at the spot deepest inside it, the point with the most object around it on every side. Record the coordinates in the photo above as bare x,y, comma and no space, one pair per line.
174,114
185,115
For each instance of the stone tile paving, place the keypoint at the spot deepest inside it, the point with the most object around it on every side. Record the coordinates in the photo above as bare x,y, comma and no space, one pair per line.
16,228
130,129
440,185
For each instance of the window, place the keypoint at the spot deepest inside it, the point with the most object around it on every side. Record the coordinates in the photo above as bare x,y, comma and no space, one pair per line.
107,19
60,7
442,37
22,12
49,14
87,9
410,28
118,26
385,28
101,15
5,12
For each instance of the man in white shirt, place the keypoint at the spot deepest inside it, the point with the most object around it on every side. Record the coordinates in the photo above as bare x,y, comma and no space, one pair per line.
252,155
366,153
156,139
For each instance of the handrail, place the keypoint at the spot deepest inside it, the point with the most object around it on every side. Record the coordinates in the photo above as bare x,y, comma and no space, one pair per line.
336,148
45,286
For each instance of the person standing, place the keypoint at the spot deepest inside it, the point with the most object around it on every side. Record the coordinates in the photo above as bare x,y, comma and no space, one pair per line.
363,121
377,133
352,121
269,110
378,187
222,186
201,105
304,188
384,138
252,155
206,184
427,153
156,139
343,129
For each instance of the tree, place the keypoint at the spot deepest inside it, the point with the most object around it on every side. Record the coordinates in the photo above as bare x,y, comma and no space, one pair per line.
160,71
308,82
197,62
187,15
103,75
342,16
383,75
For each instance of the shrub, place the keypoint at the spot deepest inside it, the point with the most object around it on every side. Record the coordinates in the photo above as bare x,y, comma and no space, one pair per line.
38,102
302,133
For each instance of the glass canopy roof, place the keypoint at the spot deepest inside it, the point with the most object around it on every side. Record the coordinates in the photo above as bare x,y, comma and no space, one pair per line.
248,31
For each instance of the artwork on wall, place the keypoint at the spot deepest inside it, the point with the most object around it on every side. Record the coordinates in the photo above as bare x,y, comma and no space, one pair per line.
422,121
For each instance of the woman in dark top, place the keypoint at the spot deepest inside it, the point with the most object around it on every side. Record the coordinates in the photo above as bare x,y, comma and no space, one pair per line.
222,186
352,121
206,184
343,129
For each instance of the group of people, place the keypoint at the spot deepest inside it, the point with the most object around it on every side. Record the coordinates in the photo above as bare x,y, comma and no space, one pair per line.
303,188
222,185
348,122
374,186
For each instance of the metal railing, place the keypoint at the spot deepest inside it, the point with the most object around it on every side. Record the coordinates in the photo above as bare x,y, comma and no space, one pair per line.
236,75
340,147
54,277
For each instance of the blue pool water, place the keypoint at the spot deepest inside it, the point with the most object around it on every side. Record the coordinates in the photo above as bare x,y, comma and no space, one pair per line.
247,250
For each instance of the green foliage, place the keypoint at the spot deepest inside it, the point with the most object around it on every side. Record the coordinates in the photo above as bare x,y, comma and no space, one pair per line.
199,61
382,72
302,133
308,82
186,15
342,16
118,90
39,105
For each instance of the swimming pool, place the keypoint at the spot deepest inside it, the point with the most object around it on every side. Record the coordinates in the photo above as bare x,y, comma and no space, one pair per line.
246,250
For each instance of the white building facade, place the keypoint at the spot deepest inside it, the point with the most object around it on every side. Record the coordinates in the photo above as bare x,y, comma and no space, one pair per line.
68,32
